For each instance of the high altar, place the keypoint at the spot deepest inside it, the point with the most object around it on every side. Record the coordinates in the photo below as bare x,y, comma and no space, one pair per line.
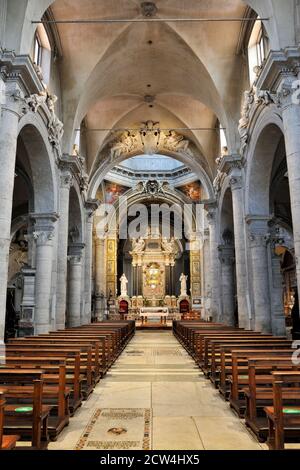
153,261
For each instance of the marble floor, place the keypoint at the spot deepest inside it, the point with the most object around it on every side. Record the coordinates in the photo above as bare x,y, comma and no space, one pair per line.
155,372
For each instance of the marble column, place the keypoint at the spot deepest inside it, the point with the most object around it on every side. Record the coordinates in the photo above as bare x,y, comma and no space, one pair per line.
214,263
226,256
74,284
91,206
240,249
258,241
66,182
289,103
43,235
9,119
100,278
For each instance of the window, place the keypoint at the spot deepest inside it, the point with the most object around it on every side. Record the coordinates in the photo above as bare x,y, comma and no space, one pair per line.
223,140
37,52
41,53
258,49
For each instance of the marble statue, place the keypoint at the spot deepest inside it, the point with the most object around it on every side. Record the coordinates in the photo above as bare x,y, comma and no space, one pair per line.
176,143
183,280
124,283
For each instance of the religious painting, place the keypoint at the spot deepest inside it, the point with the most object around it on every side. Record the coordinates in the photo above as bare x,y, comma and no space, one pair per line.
113,191
192,190
196,289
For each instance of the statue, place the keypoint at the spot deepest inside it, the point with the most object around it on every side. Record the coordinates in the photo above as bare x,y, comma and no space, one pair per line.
183,280
244,121
176,143
125,145
168,246
138,246
124,283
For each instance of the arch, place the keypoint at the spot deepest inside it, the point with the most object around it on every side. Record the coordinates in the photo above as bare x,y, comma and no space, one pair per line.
265,139
42,163
107,165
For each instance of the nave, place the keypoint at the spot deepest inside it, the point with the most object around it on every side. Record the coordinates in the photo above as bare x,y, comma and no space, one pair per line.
155,373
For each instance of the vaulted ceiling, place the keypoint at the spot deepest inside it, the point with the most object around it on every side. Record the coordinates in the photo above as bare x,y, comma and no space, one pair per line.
191,71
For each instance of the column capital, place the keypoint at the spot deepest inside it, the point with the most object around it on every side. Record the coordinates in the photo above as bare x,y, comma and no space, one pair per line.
258,234
226,255
236,182
91,206
75,252
44,227
231,164
66,180
211,211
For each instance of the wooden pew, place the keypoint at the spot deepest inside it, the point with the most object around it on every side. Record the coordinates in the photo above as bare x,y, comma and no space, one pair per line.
6,442
283,419
24,388
234,362
259,393
73,364
55,392
239,380
62,342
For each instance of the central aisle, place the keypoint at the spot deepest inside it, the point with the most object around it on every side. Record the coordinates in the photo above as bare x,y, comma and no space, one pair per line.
154,397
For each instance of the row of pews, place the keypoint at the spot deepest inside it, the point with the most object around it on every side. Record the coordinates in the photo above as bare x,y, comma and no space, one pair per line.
45,378
256,373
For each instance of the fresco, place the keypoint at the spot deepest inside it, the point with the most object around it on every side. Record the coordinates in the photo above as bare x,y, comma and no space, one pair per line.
113,191
192,190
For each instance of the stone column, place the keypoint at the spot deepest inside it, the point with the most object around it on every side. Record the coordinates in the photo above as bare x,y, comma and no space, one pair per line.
289,103
74,284
100,277
232,165
9,119
259,238
214,262
236,184
226,256
43,234
91,207
66,181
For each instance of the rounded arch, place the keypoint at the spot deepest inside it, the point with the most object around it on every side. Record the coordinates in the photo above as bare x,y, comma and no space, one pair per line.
265,139
192,163
42,163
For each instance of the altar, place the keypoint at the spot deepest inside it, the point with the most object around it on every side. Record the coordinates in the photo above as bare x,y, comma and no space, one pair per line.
147,313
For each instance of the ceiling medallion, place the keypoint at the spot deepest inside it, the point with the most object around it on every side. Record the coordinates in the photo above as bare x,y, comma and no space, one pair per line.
149,9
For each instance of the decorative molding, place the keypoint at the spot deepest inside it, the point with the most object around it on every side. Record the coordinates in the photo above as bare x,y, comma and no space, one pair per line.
66,180
44,228
91,206
152,188
149,140
148,9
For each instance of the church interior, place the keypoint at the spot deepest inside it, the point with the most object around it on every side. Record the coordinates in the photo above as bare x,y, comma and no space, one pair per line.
149,225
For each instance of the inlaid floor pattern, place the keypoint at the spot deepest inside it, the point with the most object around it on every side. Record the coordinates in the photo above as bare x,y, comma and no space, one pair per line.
155,373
